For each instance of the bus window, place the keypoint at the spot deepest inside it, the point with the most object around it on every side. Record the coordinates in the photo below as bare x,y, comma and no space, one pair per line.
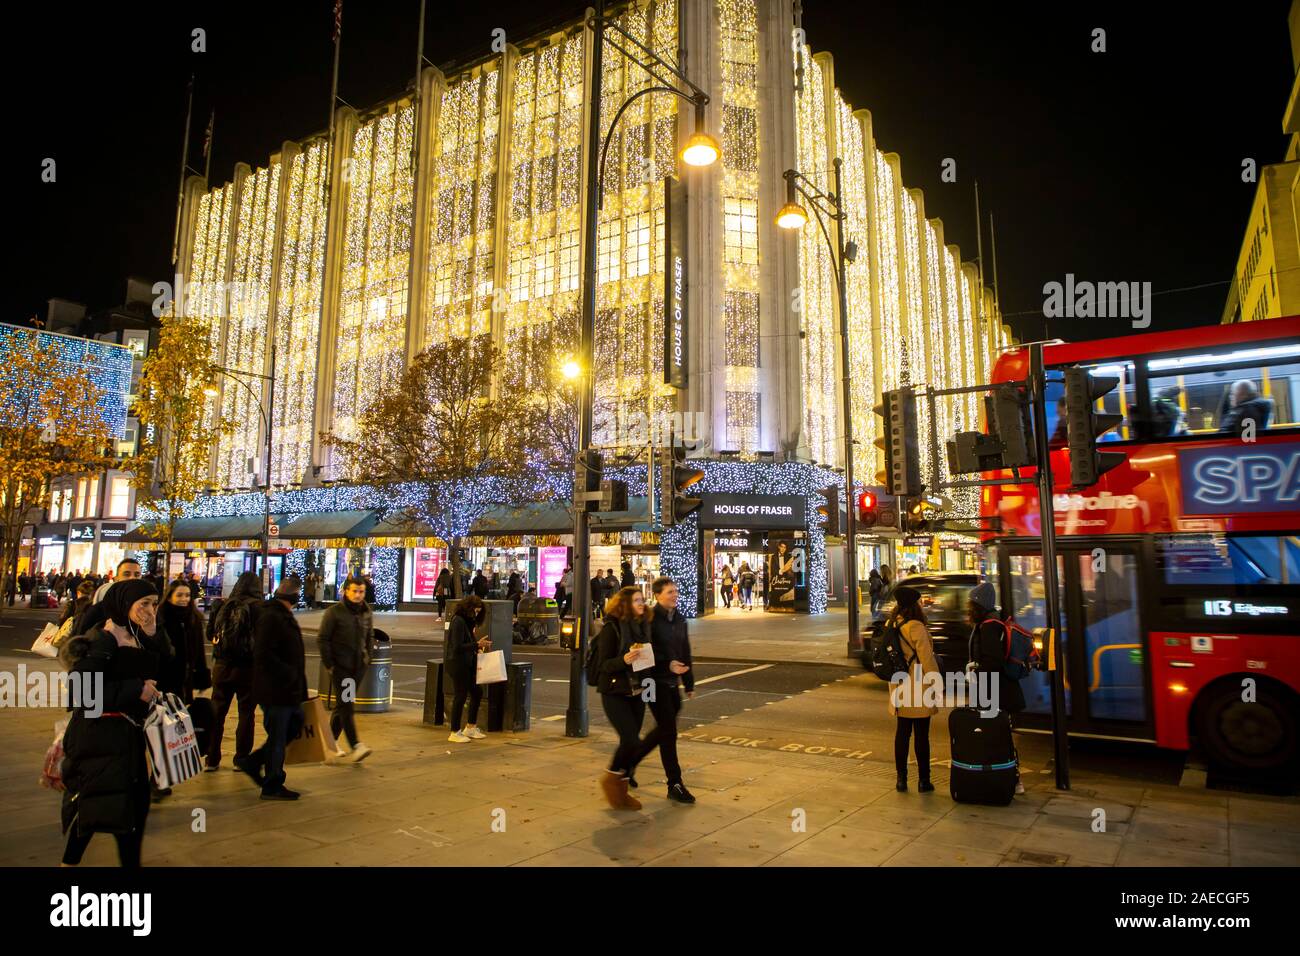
1120,401
1218,559
1028,606
1196,395
1112,637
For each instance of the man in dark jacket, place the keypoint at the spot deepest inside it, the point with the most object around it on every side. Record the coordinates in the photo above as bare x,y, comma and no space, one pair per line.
480,586
1246,406
988,651
672,648
346,640
279,686
231,632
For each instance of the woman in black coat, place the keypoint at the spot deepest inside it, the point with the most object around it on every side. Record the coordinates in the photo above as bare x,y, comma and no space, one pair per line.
187,669
460,659
626,626
104,769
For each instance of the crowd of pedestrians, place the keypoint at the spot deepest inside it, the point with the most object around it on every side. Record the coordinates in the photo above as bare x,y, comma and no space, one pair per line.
145,646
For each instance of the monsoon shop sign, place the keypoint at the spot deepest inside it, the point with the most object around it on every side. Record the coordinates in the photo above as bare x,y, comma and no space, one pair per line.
1228,479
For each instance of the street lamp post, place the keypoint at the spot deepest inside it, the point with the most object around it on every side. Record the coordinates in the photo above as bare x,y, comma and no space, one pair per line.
793,216
235,376
700,150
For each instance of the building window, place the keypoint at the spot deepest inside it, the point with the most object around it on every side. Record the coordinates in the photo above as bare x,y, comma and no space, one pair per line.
637,250
569,261
607,251
65,507
119,497
87,493
740,231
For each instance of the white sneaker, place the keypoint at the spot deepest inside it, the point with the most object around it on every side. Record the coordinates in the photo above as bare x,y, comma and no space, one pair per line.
473,733
458,738
1020,787
359,753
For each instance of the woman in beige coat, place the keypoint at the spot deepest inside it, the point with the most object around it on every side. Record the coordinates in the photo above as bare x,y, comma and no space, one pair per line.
909,696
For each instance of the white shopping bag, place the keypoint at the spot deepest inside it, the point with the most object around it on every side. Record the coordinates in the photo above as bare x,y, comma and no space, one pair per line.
173,747
645,657
491,667
45,645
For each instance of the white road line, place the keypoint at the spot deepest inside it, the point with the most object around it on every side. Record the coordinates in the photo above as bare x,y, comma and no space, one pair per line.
748,670
553,717
555,680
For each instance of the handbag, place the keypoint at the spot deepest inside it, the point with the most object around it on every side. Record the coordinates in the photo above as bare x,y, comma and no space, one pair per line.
52,770
490,668
44,645
173,746
315,741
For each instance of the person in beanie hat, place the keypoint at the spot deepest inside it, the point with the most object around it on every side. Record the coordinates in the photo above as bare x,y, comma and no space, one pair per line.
906,695
988,652
279,687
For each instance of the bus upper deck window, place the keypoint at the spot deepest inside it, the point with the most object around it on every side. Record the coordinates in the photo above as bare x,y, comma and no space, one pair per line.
1225,393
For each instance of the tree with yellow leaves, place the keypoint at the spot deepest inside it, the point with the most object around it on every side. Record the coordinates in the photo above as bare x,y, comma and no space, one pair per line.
178,431
51,425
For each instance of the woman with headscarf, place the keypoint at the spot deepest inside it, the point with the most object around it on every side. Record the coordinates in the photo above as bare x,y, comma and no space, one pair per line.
104,771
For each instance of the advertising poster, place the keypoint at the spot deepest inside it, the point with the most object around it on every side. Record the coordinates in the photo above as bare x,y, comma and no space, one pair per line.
428,562
551,563
787,574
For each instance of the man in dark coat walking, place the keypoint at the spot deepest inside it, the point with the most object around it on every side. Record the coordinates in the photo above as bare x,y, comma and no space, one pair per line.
347,640
279,686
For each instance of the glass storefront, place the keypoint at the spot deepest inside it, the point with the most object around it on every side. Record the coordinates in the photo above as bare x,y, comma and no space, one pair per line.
80,556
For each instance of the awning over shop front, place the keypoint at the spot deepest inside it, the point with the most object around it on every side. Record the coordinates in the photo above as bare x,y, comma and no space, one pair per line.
202,530
326,525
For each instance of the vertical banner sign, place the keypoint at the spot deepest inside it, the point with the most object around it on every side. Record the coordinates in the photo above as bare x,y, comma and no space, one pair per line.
676,315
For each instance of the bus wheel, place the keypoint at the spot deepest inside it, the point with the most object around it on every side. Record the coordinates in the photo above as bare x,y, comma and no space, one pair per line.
1252,736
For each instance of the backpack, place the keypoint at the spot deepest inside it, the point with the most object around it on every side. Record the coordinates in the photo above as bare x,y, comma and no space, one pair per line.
1021,655
232,639
593,661
887,657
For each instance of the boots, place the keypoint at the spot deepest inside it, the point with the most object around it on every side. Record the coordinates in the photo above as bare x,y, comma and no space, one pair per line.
614,786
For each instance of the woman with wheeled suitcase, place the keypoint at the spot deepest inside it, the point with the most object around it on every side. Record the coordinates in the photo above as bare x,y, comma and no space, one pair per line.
907,696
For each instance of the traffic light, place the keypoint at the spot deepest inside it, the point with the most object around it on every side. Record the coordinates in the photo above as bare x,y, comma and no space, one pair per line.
1008,414
914,519
674,478
1084,424
831,510
900,442
868,504
613,496
587,482
1009,442
886,512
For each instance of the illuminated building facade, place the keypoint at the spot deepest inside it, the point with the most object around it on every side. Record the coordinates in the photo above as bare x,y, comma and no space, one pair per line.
459,212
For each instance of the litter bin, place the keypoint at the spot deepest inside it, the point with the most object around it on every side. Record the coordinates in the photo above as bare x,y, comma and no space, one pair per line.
375,695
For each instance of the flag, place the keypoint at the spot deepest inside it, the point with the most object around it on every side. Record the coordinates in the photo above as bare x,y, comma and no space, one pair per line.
207,134
338,20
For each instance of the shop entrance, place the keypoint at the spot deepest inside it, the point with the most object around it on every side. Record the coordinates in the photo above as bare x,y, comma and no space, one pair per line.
732,552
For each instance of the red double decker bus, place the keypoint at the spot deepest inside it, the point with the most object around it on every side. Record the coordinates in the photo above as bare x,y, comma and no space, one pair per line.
1180,569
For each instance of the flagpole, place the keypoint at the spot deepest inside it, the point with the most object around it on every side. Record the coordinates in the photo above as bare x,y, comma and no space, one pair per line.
207,148
185,156
419,68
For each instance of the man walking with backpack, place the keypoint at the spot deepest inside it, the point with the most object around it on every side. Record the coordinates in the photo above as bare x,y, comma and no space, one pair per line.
231,632
347,640
989,654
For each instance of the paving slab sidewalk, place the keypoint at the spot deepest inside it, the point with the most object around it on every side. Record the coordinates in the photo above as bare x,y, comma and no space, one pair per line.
729,634
532,799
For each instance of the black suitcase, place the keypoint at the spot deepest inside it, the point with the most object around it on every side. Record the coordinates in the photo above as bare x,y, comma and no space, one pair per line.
983,757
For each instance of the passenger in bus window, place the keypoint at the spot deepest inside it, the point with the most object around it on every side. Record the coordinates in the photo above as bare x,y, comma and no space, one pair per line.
1167,418
1246,405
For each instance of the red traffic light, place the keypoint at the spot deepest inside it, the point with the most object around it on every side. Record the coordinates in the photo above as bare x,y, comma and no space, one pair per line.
866,500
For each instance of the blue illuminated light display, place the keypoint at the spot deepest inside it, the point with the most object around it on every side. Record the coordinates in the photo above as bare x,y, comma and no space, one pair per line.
108,366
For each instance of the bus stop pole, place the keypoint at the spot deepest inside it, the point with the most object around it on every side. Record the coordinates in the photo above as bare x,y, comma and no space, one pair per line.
1051,585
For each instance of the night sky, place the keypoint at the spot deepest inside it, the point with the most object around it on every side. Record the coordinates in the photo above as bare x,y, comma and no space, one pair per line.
1119,166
